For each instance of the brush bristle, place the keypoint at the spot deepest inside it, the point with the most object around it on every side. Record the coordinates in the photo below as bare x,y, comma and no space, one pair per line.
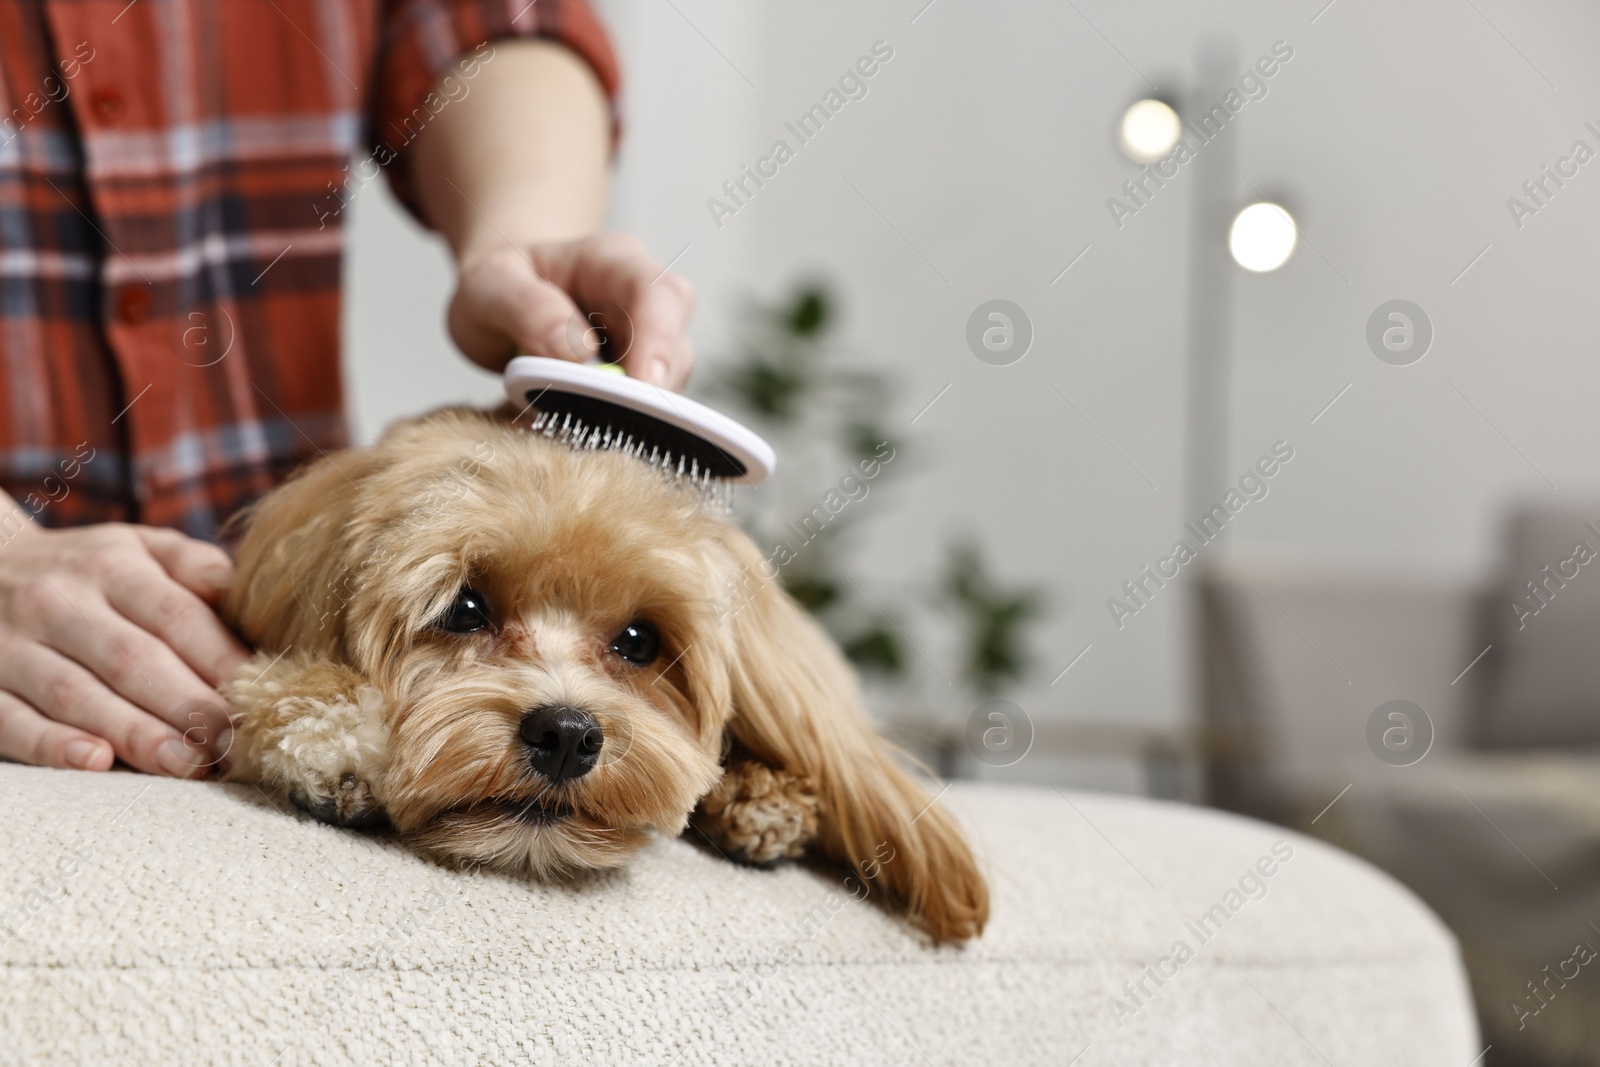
565,428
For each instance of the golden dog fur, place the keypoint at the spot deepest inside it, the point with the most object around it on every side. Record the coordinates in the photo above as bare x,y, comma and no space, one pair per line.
749,721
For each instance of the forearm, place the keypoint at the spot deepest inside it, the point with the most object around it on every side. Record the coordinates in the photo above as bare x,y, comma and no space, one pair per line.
522,158
514,175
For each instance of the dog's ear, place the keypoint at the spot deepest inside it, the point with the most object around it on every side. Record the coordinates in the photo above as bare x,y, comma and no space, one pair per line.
298,556
796,706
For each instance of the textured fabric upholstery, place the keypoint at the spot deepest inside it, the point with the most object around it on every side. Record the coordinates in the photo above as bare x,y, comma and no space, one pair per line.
156,921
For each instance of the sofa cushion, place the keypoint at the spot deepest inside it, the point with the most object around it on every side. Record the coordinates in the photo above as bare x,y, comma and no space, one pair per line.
149,920
1298,659
1543,674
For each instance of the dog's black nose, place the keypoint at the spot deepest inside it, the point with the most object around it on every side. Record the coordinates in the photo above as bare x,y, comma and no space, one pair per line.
563,742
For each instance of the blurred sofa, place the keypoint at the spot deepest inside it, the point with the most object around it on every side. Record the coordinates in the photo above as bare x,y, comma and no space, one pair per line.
1450,734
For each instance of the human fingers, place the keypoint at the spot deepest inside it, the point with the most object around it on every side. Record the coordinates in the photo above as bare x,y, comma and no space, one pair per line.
29,737
641,309
199,566
147,597
140,667
659,349
503,304
68,693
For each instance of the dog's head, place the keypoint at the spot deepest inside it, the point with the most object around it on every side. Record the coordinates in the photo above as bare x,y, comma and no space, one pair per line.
568,644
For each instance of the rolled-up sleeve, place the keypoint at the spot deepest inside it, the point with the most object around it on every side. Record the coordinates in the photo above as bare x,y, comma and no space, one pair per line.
423,42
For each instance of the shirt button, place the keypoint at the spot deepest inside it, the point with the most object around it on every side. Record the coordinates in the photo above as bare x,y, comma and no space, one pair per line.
107,103
133,305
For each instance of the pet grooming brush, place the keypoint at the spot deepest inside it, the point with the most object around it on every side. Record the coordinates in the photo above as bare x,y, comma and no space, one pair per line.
596,405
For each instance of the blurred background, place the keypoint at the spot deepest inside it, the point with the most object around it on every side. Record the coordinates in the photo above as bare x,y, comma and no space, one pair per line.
1391,641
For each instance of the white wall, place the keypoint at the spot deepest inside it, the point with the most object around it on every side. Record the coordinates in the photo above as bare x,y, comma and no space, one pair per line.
1395,135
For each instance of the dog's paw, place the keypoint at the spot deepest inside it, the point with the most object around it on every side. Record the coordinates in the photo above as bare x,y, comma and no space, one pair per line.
759,815
348,803
315,733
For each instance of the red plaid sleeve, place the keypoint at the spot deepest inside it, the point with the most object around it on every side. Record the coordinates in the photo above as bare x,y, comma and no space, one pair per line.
425,41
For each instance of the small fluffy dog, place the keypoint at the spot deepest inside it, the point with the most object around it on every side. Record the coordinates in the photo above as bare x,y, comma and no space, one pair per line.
527,656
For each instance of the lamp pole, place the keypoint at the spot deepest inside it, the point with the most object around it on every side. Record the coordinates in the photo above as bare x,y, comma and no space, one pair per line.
1210,303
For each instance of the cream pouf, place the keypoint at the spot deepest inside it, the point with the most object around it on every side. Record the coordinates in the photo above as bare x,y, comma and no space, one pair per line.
151,921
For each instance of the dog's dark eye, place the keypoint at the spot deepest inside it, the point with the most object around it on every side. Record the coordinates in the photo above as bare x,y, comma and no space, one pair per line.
467,613
638,643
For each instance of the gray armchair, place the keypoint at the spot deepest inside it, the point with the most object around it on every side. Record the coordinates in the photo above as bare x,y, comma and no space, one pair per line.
1494,816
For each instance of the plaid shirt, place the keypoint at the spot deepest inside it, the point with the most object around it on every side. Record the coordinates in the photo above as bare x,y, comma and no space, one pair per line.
173,175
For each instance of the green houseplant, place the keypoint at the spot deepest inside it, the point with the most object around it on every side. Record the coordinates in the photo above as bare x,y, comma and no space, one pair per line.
824,418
